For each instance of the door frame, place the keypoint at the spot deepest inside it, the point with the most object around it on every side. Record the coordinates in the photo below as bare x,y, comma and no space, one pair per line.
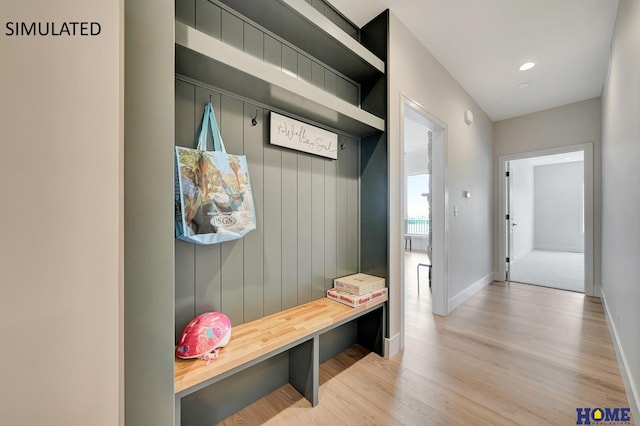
439,208
587,148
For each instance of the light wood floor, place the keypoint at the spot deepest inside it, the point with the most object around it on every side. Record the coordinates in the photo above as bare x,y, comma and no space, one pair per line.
513,354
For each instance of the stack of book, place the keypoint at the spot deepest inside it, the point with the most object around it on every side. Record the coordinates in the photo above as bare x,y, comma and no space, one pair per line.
355,290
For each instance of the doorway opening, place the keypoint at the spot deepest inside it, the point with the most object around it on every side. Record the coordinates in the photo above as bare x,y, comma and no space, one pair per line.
547,221
423,262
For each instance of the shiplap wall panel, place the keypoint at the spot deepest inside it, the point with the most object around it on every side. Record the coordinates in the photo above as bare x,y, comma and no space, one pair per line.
208,279
304,214
317,74
253,41
254,240
341,205
208,18
184,252
289,211
317,227
353,205
273,223
304,68
304,229
232,30
330,223
272,51
330,82
289,60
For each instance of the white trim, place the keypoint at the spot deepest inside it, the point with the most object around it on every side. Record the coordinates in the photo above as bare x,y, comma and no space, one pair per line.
589,287
625,371
470,291
391,345
574,249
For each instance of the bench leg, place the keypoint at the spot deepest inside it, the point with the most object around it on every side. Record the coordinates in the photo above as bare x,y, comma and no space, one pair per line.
304,364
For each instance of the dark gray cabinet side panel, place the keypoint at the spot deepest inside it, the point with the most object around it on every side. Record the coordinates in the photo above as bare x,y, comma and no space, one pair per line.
317,227
353,205
374,218
272,51
209,18
232,114
289,229
253,41
341,204
273,220
232,30
304,228
304,68
330,223
254,240
289,60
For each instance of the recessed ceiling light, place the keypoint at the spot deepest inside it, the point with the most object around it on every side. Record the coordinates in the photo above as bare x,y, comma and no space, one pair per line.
527,66
523,85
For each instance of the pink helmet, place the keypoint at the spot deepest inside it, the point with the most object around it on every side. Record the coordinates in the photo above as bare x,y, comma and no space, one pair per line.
204,336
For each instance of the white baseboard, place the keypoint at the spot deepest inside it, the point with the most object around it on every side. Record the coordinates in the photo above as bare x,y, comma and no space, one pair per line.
574,249
470,291
391,346
632,391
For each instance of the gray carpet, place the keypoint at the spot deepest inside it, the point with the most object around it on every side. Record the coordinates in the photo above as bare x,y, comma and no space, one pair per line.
556,269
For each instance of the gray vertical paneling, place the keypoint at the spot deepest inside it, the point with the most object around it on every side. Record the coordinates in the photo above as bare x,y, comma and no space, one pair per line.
352,94
209,18
184,252
319,5
304,228
253,41
254,240
272,51
304,68
232,114
289,60
207,258
317,227
307,214
289,229
330,82
330,222
341,88
341,204
273,211
185,11
232,30
317,74
353,202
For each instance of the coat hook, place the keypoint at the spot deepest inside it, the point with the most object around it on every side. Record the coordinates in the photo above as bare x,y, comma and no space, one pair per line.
254,121
342,147
209,97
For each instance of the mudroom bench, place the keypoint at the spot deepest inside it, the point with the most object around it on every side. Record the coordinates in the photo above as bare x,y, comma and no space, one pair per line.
262,355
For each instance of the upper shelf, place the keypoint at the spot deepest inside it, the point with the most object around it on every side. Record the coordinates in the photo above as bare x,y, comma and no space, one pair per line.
212,61
299,23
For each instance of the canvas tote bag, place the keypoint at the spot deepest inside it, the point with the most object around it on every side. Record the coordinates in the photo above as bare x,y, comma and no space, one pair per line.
214,202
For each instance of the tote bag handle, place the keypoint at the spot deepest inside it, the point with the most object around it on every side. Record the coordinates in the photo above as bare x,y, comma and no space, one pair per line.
209,121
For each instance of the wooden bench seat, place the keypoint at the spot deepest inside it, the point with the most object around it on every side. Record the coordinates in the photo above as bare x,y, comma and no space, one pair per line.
296,329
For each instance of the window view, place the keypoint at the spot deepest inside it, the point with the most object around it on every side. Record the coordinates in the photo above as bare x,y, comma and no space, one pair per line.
417,205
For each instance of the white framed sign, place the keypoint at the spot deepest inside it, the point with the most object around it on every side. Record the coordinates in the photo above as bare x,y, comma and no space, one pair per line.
304,137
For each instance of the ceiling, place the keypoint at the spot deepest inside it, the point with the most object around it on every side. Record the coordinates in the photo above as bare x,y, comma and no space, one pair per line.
482,43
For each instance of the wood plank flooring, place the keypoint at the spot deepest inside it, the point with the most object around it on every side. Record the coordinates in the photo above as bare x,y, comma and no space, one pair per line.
513,354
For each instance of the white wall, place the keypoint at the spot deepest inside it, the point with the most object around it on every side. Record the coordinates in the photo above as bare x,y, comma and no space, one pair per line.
558,190
566,125
621,193
415,73
61,227
522,193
